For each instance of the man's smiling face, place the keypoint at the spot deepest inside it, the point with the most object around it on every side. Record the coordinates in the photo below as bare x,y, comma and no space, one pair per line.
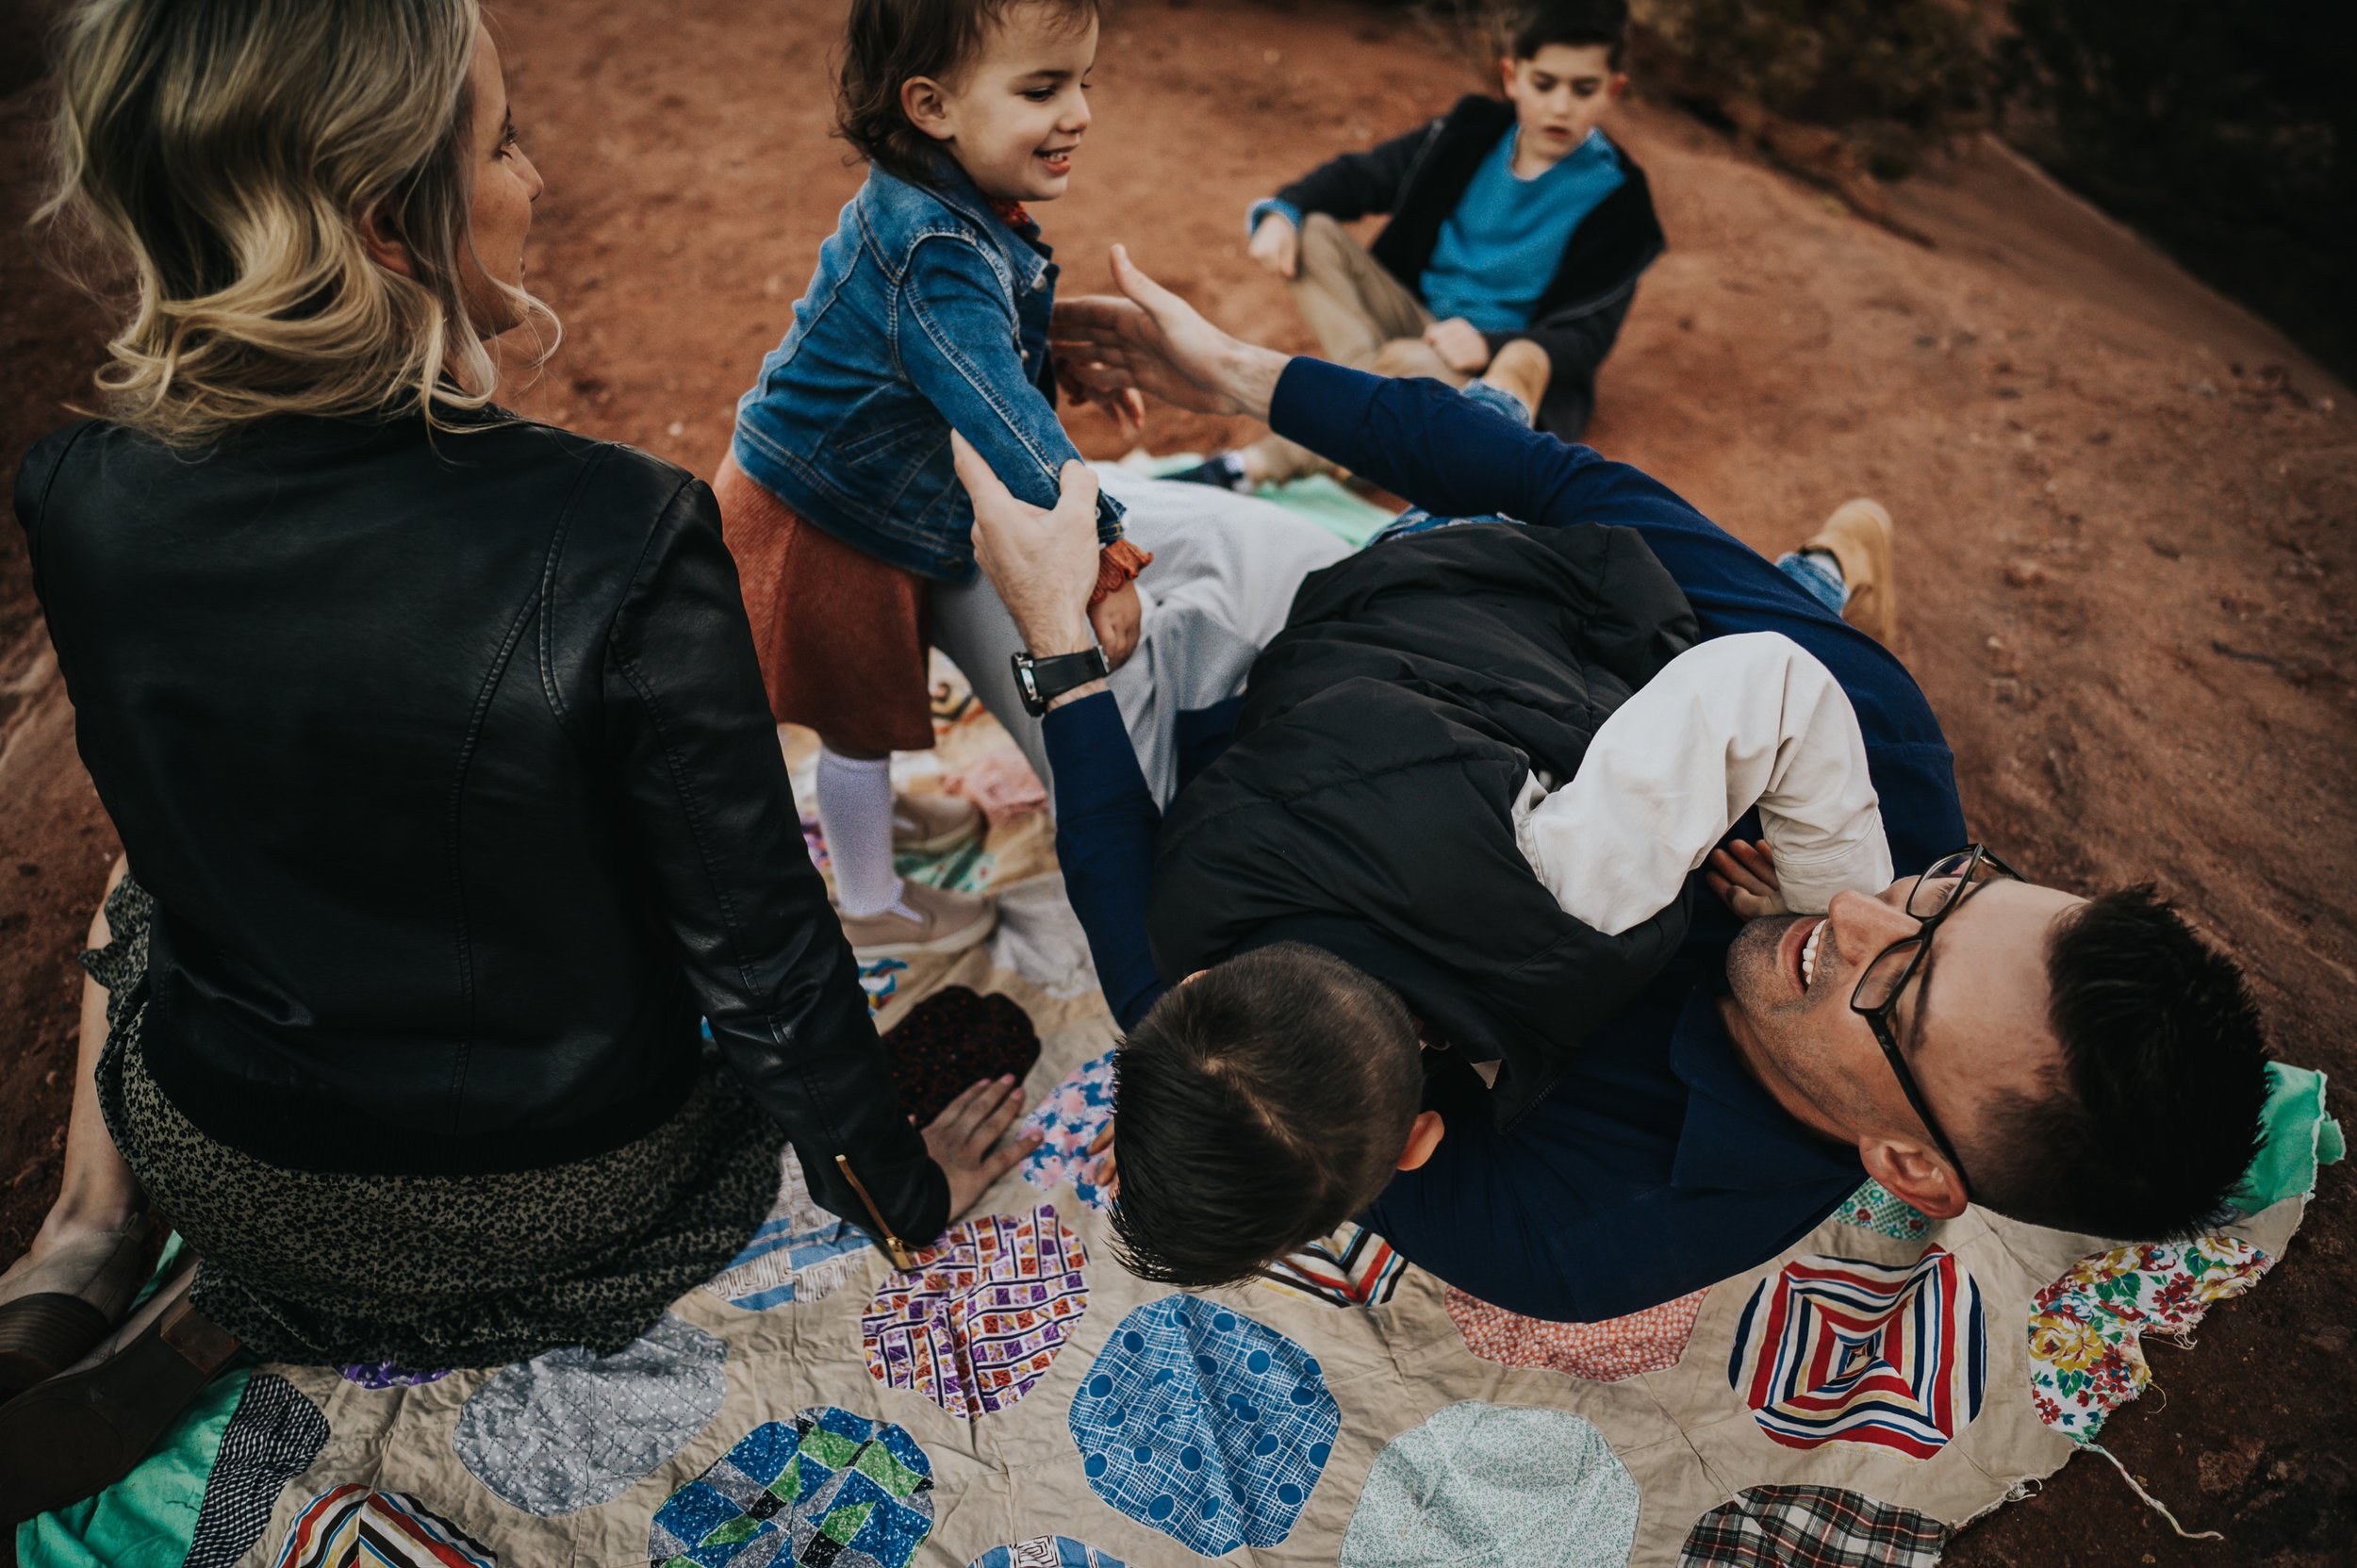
1973,1024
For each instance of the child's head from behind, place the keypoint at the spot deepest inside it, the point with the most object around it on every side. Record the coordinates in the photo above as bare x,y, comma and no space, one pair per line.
997,85
1260,1104
1562,70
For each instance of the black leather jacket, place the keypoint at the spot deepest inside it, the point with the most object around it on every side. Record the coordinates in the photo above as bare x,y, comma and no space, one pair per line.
447,762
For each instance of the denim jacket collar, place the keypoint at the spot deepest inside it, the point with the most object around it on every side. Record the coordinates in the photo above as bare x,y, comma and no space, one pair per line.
902,211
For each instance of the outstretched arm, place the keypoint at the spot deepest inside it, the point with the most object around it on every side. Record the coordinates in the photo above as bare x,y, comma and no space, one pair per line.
1043,562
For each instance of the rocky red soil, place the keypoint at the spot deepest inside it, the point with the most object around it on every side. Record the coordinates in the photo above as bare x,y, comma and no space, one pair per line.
2128,514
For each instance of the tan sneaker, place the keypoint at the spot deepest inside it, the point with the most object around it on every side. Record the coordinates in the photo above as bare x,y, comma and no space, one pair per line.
929,824
945,922
1859,535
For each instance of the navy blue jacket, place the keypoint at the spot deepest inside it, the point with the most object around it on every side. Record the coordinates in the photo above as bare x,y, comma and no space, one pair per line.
1656,1164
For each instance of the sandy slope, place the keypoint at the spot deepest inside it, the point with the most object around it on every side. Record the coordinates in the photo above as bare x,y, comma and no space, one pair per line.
2128,516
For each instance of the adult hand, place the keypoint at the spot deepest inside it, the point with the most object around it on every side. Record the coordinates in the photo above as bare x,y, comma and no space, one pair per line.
1460,344
1042,562
1277,245
969,1142
1151,340
1745,880
1116,619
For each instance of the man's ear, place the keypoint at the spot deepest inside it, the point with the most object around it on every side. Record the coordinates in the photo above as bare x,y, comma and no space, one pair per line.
925,102
1915,1175
1505,74
1423,1136
385,251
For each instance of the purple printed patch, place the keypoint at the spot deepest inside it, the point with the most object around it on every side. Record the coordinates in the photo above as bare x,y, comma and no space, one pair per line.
984,1313
389,1374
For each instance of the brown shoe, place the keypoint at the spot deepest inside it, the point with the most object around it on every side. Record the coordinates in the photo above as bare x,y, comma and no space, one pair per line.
84,1430
930,824
53,1311
942,922
1859,535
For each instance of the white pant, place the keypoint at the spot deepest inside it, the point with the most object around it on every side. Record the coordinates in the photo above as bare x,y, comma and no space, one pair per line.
1226,567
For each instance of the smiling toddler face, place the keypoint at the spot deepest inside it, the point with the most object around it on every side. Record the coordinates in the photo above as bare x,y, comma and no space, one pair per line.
1016,115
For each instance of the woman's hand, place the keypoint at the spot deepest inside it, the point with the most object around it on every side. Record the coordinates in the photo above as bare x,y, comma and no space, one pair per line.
1460,344
1151,340
1042,563
1277,245
969,1142
1116,618
1745,880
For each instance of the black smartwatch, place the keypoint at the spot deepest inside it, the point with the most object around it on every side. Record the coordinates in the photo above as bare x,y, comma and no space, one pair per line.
1042,681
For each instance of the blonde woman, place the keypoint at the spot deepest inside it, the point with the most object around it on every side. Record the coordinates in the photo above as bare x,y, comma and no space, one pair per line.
440,760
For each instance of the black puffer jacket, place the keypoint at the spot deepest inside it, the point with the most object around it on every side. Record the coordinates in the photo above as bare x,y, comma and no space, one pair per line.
1365,806
1420,178
448,764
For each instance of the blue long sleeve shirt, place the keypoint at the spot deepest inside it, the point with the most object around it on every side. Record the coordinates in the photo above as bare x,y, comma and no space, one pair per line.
1498,250
1657,1164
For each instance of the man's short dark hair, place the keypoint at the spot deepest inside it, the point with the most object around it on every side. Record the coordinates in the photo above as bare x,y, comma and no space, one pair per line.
1581,23
1260,1104
2163,1076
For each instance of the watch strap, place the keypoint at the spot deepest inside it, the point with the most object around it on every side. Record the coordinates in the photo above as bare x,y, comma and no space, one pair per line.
1042,681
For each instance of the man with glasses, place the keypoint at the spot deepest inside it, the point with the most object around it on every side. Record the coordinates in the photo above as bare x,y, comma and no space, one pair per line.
1963,1035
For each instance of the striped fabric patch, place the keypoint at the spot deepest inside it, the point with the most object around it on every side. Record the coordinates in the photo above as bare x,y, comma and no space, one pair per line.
1352,1268
351,1526
1843,1350
273,1438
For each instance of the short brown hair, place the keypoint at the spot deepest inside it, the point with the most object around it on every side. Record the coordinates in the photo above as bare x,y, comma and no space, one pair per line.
886,43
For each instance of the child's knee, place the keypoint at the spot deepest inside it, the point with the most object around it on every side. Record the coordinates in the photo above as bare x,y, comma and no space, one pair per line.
1323,241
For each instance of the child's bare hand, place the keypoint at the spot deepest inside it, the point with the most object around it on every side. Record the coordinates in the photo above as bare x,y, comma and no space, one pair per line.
1126,404
1277,245
1115,619
1744,878
1460,344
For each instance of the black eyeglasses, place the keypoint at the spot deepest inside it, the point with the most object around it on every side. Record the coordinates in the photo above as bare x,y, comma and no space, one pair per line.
1938,893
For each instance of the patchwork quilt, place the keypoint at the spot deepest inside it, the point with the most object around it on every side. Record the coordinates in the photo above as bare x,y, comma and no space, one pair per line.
1017,1400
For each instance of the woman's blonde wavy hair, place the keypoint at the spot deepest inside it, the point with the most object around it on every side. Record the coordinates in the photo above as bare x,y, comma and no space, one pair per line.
230,151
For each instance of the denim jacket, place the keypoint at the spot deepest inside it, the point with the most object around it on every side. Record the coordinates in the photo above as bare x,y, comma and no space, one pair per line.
928,311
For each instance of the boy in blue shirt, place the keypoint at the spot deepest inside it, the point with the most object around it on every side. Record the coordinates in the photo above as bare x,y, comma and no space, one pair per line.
1508,219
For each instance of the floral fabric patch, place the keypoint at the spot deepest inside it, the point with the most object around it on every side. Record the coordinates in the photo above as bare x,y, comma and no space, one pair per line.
1603,1352
2086,1328
800,1253
1811,1527
981,1318
1496,1484
382,1374
1067,1121
1844,1350
1204,1424
1873,1207
827,1490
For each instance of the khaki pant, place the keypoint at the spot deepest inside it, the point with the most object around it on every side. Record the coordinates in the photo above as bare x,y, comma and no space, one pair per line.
1363,318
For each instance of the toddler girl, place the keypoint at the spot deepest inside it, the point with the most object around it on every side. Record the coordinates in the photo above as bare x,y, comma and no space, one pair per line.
929,311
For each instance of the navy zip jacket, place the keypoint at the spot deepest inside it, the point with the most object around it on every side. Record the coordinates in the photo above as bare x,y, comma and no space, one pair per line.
1655,1165
1419,179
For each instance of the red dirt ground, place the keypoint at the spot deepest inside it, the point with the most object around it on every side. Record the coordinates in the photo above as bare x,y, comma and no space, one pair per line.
2126,511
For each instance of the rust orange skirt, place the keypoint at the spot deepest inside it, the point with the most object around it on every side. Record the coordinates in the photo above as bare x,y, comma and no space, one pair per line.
841,636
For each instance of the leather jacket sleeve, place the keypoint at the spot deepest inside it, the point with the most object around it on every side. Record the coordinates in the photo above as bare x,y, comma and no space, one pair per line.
704,786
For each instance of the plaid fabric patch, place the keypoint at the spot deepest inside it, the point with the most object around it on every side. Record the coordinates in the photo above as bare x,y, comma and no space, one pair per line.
830,1490
1811,1527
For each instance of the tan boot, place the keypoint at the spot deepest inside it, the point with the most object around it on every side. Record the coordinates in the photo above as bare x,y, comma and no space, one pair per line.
939,921
930,824
1859,535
